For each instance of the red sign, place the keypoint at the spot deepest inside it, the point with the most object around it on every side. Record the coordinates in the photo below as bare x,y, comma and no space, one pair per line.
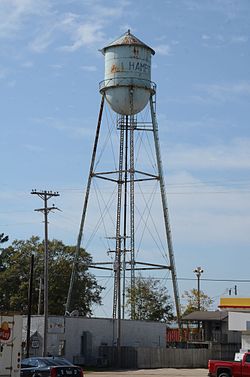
5,331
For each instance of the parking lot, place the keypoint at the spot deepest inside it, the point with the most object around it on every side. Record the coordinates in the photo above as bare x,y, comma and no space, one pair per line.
169,372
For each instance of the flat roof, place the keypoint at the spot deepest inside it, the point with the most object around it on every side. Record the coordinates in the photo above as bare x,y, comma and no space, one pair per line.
217,315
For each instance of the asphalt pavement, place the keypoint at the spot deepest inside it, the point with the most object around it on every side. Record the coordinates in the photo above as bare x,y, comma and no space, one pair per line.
166,372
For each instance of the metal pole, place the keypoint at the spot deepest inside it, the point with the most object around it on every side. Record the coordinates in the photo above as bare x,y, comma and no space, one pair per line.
39,297
198,271
132,203
166,214
45,289
125,218
132,215
119,306
199,299
29,305
117,283
45,196
85,205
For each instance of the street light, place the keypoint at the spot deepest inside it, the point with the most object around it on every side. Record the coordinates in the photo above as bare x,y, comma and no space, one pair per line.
198,271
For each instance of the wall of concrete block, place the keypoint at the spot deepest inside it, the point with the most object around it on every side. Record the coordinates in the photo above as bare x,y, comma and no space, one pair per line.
79,338
102,332
91,341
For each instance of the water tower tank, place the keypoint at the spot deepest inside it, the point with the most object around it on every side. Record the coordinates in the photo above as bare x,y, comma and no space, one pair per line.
127,84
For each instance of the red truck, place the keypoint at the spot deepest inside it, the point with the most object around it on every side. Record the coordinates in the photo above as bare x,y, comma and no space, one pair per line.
219,368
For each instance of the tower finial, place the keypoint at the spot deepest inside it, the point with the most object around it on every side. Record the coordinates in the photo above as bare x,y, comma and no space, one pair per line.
128,31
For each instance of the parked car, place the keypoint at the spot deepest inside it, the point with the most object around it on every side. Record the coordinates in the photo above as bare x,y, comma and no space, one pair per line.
49,367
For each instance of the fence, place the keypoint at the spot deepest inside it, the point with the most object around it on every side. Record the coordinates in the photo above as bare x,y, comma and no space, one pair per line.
143,358
172,358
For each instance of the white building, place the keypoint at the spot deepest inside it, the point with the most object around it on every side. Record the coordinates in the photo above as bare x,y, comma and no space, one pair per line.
240,321
80,339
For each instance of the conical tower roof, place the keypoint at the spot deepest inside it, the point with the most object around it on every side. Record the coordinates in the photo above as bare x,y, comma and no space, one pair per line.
127,39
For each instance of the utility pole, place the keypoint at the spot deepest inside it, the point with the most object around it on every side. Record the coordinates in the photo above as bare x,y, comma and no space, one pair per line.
45,196
29,305
39,296
198,271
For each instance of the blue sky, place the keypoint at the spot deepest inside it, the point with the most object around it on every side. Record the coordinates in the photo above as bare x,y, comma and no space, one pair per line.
50,69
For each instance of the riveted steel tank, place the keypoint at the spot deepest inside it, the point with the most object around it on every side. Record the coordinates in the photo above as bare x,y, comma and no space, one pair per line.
127,84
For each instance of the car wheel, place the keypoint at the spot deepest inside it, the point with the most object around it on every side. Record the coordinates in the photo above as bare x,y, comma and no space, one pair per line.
224,374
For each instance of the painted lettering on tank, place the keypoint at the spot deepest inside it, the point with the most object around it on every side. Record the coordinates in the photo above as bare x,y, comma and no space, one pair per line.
116,68
136,52
139,67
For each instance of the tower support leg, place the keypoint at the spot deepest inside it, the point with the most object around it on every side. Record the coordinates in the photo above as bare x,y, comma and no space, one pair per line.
132,214
85,205
165,212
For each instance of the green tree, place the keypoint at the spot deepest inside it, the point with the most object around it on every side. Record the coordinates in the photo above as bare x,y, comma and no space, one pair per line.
15,270
151,299
3,238
191,297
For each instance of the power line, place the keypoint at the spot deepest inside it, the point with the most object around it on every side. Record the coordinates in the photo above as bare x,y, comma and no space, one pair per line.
151,277
181,184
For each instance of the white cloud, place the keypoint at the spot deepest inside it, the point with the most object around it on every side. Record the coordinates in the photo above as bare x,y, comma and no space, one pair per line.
14,14
11,84
210,225
72,127
162,49
112,11
218,40
3,73
88,31
89,68
205,37
33,148
42,41
85,35
81,30
215,93
230,9
126,27
214,212
27,64
240,39
226,92
234,155
56,66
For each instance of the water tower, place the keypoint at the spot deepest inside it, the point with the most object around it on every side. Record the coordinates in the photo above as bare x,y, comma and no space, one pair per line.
128,90
127,85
